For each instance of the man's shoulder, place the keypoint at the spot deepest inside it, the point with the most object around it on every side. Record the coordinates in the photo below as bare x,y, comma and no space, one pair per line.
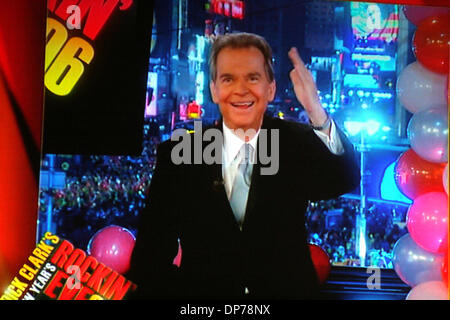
287,126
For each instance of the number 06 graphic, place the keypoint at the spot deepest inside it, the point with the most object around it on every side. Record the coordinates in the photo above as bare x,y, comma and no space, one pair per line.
64,61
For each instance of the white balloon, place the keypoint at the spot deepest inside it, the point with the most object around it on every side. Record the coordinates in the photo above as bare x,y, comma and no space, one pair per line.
418,88
431,290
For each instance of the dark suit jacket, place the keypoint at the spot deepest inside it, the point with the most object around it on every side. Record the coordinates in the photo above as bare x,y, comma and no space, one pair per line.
270,255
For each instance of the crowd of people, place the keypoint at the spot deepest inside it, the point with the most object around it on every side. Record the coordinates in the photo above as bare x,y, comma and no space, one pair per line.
111,190
385,224
101,191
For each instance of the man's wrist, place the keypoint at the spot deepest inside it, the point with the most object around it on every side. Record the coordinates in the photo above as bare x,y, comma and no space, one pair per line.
324,125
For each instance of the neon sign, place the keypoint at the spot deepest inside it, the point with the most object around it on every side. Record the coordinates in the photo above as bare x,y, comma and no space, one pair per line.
65,56
228,8
194,111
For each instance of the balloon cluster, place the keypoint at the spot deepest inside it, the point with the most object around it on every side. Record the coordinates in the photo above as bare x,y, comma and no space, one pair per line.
420,257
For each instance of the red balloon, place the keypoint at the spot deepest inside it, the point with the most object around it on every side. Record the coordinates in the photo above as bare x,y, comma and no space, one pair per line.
113,247
445,269
178,257
431,43
427,221
321,262
415,176
416,14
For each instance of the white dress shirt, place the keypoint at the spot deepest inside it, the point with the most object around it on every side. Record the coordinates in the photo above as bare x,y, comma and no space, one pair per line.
232,144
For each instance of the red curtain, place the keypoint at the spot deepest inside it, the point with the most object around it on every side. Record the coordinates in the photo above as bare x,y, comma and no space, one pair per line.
22,47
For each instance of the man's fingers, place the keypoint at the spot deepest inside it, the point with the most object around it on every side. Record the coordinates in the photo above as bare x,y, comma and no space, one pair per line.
299,66
294,77
303,81
295,58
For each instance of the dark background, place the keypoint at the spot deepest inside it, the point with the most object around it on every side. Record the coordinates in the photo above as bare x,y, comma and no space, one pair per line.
104,112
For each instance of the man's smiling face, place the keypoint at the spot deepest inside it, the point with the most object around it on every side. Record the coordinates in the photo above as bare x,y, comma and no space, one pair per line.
242,88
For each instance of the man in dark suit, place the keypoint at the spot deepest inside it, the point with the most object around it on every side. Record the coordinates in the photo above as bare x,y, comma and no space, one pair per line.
242,229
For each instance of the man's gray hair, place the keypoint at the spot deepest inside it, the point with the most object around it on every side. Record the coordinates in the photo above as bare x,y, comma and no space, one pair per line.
238,41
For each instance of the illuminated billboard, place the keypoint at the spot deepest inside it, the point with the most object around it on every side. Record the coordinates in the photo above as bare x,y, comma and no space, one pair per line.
374,26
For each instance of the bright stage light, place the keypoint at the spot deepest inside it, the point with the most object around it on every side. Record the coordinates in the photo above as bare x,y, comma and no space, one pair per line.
355,127
372,127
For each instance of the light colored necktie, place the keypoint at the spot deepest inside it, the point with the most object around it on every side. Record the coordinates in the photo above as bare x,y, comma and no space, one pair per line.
241,184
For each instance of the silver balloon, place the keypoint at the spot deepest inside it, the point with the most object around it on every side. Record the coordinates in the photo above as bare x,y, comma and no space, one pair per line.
415,265
428,134
418,88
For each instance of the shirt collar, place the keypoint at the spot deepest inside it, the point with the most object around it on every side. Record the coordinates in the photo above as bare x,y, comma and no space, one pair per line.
232,143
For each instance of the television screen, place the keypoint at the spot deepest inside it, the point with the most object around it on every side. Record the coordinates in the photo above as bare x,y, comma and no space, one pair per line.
374,26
